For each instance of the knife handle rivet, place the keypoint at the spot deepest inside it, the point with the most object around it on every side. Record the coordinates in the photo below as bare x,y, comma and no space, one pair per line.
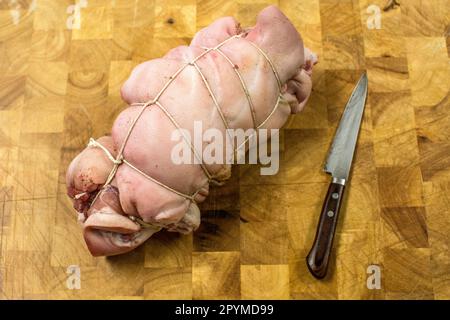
335,195
330,214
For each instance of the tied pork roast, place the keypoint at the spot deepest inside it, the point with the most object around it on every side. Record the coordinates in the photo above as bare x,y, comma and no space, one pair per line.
125,186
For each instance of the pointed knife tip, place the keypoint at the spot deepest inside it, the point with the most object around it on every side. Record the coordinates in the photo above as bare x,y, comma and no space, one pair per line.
364,79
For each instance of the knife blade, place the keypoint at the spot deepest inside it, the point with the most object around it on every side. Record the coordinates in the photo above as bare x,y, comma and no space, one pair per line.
338,164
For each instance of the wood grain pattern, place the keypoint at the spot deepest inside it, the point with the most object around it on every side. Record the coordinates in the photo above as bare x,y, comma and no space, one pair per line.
58,87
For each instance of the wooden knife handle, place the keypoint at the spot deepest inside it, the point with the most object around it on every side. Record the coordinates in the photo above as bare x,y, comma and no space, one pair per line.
319,255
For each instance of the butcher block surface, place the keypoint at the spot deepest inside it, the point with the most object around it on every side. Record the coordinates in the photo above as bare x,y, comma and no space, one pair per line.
59,87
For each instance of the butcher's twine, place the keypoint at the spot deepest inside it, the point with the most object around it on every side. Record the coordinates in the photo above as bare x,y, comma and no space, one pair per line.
119,160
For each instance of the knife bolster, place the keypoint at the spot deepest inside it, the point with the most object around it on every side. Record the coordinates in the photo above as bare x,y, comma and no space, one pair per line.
339,181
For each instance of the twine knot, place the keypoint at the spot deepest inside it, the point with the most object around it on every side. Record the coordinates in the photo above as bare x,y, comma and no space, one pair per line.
118,161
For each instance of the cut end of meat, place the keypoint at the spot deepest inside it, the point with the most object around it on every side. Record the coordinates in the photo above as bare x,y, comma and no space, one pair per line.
298,89
87,172
311,59
106,243
107,230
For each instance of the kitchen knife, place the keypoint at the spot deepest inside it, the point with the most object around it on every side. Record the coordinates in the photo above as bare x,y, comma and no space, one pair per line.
338,164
